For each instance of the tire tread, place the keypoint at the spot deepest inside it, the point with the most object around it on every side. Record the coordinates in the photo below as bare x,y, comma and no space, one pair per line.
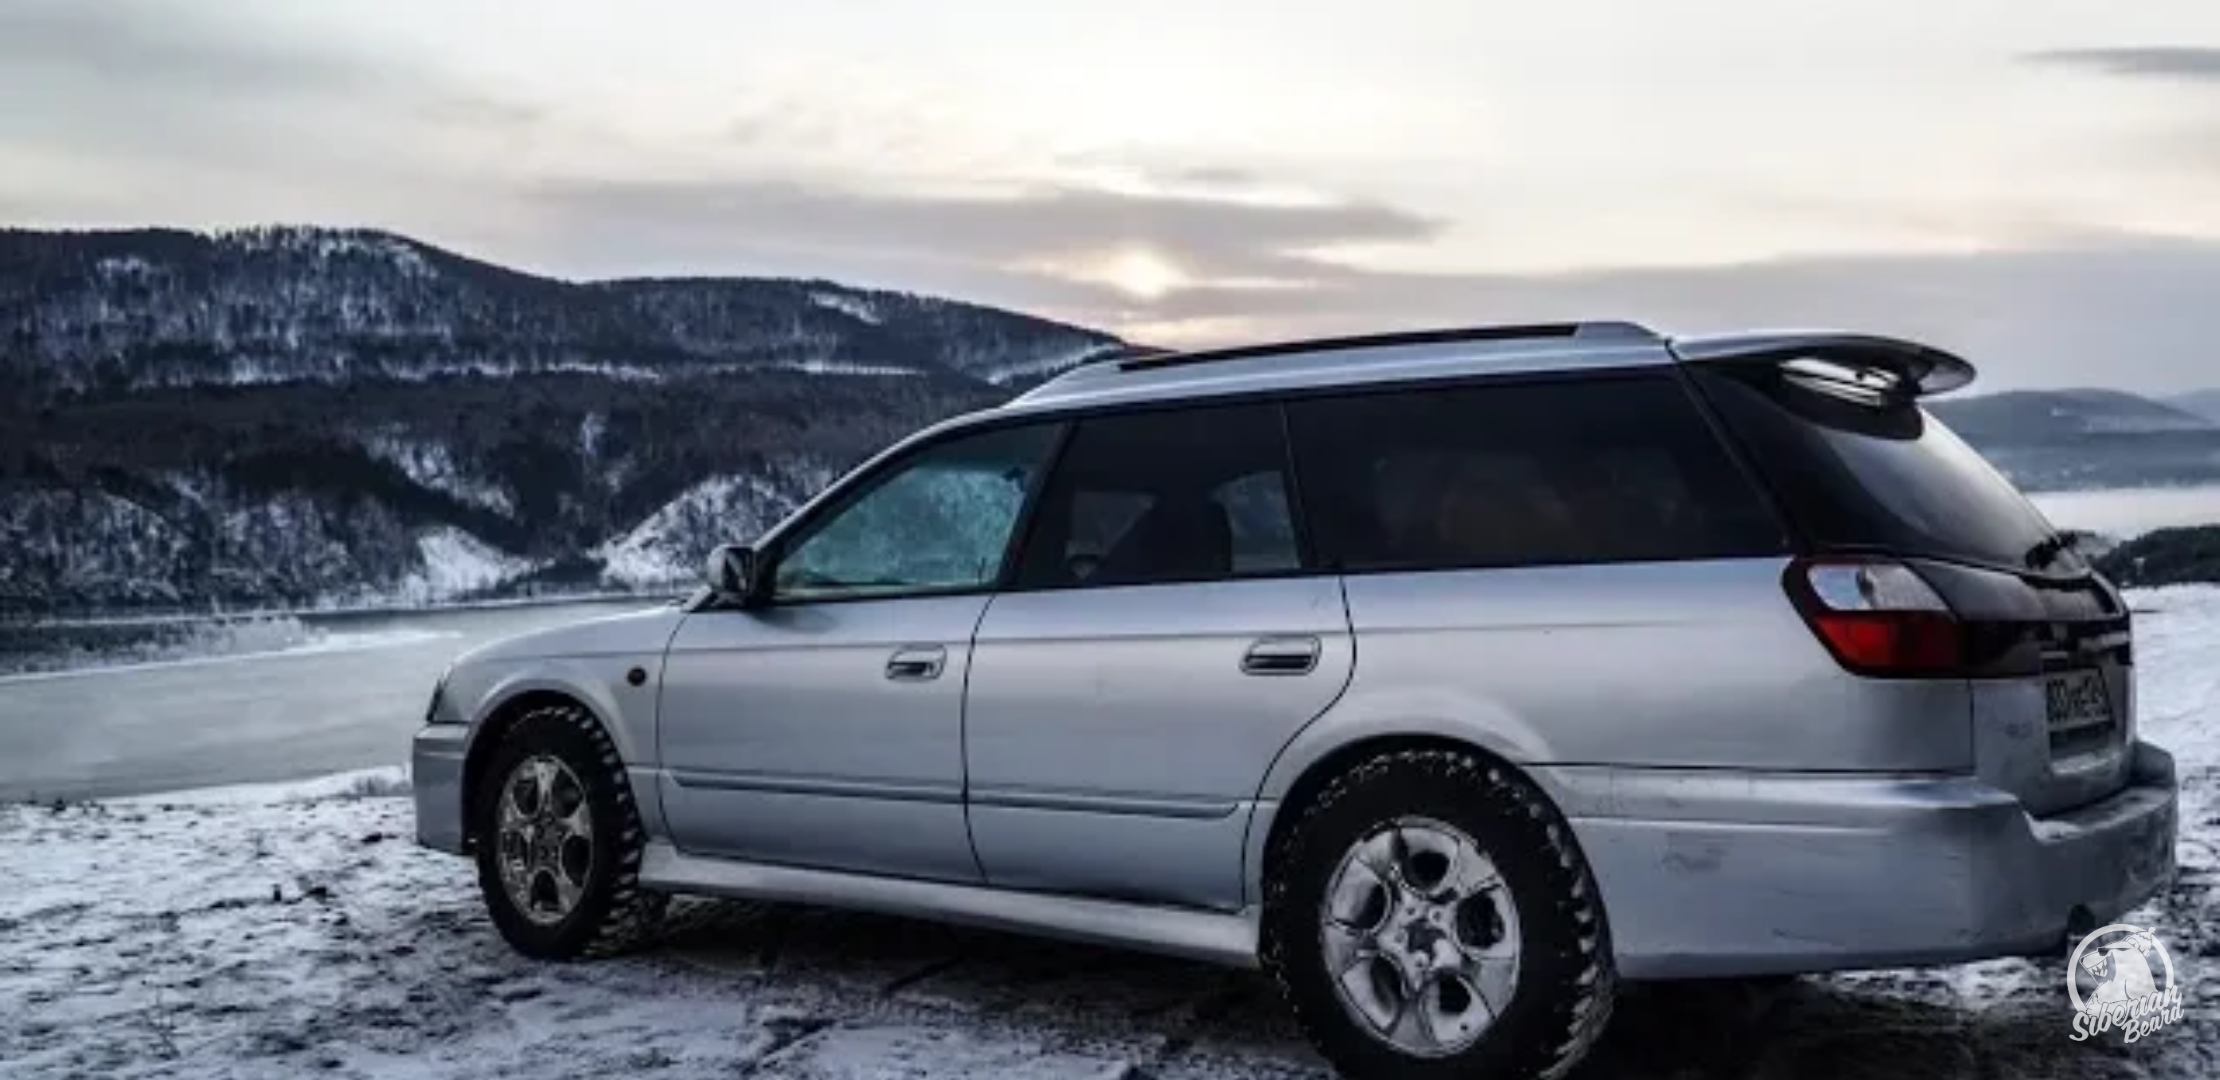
1592,991
634,913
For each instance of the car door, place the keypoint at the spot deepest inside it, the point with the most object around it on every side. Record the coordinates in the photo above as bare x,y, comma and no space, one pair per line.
822,727
1162,639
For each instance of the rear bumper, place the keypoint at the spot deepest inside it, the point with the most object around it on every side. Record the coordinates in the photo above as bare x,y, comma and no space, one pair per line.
1709,873
436,774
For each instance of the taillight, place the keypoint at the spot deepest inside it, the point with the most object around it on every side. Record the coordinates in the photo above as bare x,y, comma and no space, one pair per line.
1878,617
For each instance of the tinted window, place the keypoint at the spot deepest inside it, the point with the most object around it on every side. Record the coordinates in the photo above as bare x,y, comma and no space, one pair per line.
1860,473
1598,470
1262,523
938,522
1189,495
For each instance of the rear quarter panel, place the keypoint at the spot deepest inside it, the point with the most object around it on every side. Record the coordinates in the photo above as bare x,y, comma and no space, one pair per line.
1694,664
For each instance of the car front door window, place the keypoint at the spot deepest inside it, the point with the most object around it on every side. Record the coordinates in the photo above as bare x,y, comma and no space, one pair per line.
939,523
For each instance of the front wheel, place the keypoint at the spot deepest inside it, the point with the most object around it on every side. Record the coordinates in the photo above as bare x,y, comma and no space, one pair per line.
559,840
1429,916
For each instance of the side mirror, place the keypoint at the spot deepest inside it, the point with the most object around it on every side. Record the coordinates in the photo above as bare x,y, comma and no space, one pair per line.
732,573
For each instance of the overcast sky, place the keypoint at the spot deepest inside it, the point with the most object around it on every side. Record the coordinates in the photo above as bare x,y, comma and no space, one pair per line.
2036,184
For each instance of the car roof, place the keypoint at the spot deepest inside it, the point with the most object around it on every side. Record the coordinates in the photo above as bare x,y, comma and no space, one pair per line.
1155,375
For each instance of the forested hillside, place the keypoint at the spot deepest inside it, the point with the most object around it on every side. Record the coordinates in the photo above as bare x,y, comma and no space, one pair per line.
301,416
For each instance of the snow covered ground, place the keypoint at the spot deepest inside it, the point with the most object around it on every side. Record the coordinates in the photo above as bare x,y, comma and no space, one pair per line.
290,931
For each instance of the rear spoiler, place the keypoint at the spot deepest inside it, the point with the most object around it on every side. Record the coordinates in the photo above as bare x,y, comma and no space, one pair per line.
1888,366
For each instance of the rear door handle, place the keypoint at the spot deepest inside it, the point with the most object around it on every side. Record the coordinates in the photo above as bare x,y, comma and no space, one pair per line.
1281,656
916,663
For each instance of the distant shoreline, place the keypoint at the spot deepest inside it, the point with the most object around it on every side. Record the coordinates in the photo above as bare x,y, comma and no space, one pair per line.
129,620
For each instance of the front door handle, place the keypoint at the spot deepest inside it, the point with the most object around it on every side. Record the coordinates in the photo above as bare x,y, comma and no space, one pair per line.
916,663
1281,656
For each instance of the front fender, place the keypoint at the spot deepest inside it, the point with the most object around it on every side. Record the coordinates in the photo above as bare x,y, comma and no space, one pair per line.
600,683
478,691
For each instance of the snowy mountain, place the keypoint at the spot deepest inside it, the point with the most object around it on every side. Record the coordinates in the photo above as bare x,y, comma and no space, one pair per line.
2205,403
320,417
2085,438
2038,415
159,308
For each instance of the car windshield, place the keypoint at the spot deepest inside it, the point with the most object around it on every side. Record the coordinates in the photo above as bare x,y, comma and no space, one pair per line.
1861,472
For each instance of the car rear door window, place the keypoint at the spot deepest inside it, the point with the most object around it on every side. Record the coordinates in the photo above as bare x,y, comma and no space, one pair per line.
1599,469
1193,494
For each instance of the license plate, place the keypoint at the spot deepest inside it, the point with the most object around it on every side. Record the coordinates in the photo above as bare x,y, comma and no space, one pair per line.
2079,707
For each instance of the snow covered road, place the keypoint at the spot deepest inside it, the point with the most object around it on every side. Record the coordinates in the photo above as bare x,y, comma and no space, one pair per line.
297,931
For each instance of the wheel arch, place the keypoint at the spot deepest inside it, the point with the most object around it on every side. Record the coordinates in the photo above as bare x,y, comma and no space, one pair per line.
494,724
1300,782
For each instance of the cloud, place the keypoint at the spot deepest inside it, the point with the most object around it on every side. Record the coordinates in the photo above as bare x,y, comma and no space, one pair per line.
211,73
138,43
481,112
1207,239
198,113
2127,310
785,125
150,112
2065,307
137,85
1215,176
2146,61
2164,144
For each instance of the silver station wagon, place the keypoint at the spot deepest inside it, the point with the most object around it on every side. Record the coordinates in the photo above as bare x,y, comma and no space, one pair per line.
1451,678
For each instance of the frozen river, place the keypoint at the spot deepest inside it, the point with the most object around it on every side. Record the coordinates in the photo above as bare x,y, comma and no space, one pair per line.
2129,512
336,694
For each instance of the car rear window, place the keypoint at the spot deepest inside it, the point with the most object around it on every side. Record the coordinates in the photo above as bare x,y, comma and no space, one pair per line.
1862,472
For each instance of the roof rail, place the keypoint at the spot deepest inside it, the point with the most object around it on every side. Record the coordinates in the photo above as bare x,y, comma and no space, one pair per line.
1608,330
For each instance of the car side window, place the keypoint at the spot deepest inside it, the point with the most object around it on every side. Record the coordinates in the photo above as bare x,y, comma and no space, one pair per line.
1593,470
1186,495
939,522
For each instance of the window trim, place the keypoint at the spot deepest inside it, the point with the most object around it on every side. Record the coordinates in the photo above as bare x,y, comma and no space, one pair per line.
1036,492
1744,457
845,492
1307,554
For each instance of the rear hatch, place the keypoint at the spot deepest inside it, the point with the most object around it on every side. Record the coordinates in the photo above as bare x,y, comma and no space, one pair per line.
1835,428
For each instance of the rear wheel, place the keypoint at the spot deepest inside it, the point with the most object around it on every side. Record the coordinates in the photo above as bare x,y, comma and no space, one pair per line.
1430,916
559,840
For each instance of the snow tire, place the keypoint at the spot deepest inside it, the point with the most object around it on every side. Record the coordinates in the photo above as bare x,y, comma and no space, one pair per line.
614,914
1566,983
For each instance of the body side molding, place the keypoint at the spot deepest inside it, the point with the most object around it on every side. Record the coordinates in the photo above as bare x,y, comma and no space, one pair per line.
1213,937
